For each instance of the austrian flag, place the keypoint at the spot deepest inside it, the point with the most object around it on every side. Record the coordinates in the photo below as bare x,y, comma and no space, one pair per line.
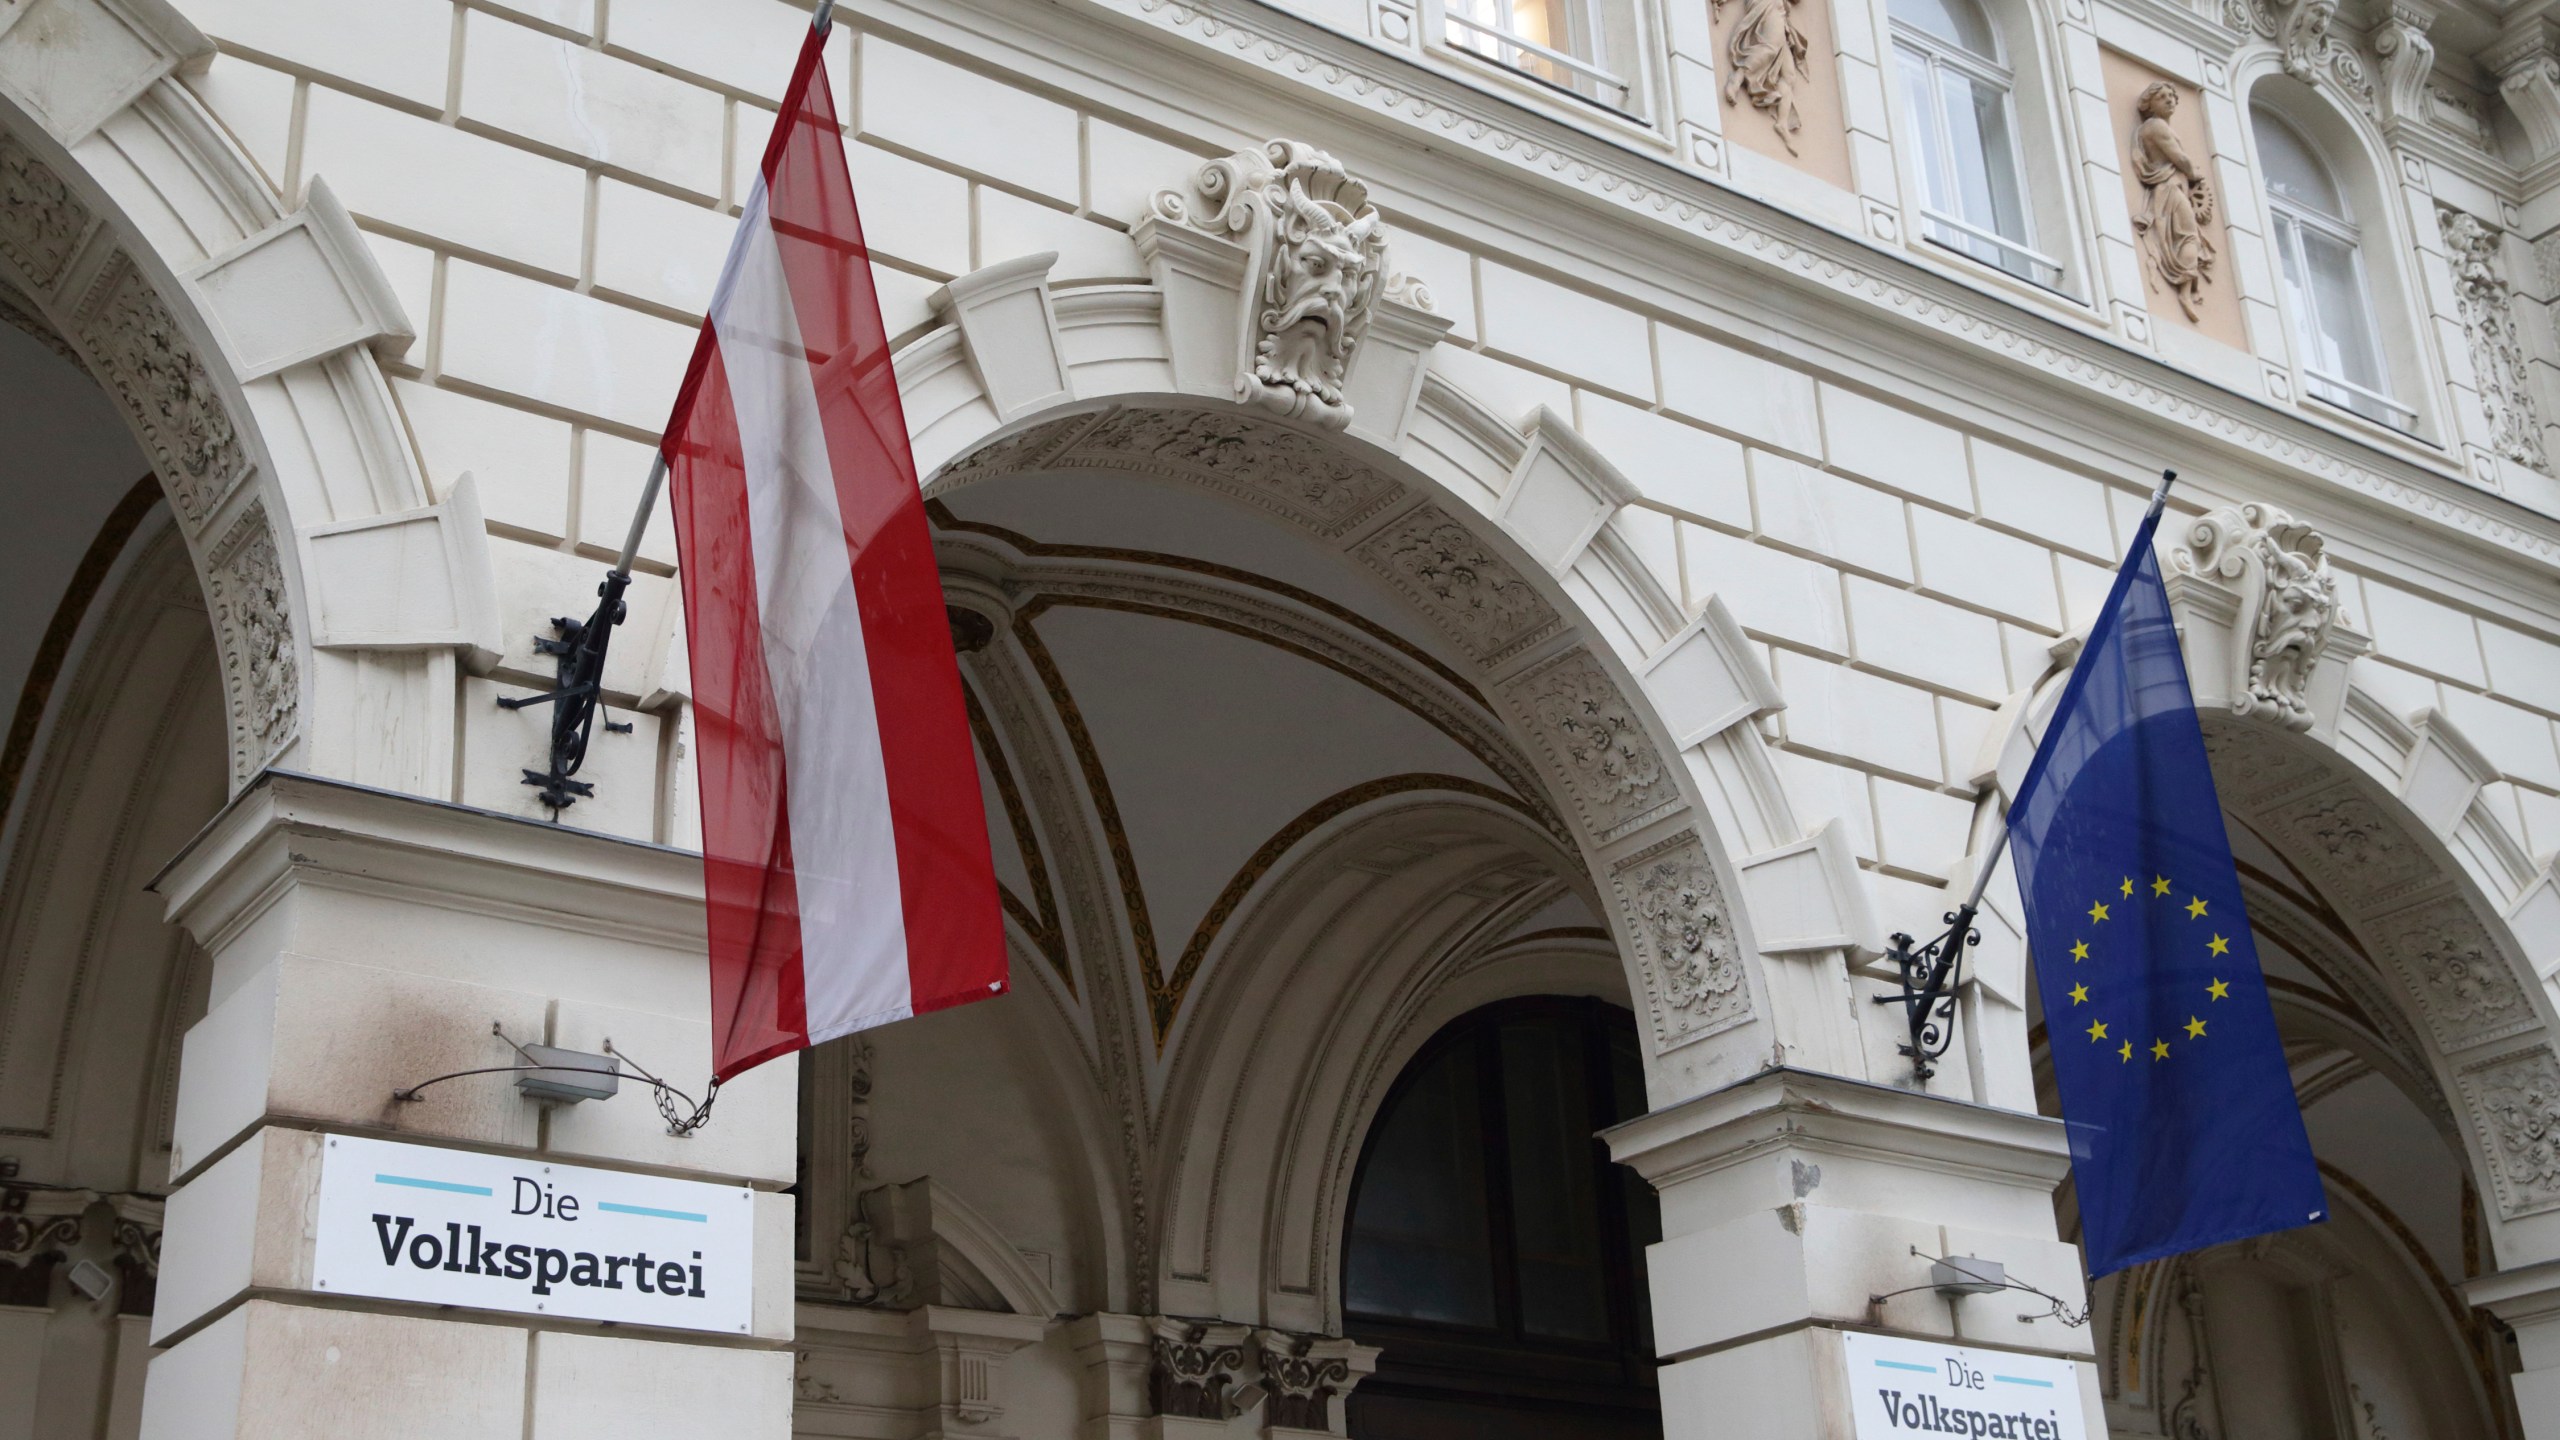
844,843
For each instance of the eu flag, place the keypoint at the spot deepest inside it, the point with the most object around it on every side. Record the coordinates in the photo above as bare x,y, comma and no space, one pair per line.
2183,1124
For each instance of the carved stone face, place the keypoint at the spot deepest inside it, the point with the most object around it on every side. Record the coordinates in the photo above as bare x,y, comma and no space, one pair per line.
1320,281
2159,100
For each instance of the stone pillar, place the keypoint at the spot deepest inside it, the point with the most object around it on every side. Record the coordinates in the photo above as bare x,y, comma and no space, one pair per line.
362,942
2527,1299
1795,1205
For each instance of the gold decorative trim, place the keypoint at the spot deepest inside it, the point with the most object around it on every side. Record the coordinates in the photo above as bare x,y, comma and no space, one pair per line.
1043,927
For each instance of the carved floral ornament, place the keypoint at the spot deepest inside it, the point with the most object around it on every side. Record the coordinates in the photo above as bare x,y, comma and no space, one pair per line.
2486,307
1315,271
2288,602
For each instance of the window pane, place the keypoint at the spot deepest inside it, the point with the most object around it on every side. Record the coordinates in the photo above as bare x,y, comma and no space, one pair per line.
1555,1213
1957,22
2294,171
1419,1239
2345,313
1978,130
1919,92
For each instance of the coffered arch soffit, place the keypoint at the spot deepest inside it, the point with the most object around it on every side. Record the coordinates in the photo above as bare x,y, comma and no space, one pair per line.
1490,532
239,338
2382,816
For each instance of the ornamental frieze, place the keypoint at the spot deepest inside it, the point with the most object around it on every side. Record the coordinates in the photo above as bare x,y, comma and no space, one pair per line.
41,221
2466,990
138,352
245,581
1444,568
1237,455
2485,304
2346,837
1691,962
1614,775
2516,1100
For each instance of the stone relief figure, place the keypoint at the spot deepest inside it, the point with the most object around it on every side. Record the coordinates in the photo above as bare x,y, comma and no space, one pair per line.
2486,307
1765,56
1316,269
2288,601
2177,202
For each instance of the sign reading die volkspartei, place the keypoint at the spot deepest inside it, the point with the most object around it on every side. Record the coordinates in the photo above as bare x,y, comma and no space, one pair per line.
1903,1388
495,1232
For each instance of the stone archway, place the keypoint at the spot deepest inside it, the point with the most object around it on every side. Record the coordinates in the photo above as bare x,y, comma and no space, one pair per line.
239,331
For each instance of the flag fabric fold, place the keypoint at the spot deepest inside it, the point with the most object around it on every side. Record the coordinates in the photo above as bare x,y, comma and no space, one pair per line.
847,875
2183,1123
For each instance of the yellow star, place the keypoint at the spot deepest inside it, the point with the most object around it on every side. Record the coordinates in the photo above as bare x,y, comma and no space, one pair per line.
2079,994
2097,1029
2128,885
2195,1028
2159,1049
2079,949
2219,989
2160,885
2098,910
2127,1052
2218,945
2195,908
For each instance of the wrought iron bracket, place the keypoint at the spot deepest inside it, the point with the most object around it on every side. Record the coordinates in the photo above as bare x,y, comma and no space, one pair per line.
1929,975
576,698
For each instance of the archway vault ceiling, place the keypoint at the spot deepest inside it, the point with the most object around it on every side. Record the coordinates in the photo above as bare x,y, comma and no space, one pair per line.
1221,689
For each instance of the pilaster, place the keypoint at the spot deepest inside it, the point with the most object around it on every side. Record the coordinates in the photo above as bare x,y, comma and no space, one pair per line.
361,943
2528,1300
1797,1206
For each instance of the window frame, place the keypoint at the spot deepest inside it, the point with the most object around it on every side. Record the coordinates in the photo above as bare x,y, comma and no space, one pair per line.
1637,120
1937,54
2288,220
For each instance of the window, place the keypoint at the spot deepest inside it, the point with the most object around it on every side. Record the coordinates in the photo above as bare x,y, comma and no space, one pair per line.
1569,44
1493,1249
1955,96
2324,280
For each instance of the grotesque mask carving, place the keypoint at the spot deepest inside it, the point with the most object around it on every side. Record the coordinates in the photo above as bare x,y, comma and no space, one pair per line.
2288,602
1315,268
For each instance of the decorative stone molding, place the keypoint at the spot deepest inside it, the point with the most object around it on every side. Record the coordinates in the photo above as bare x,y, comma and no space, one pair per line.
2177,202
1765,59
101,56
1691,962
2263,615
300,289
1561,492
2484,303
1615,777
1809,896
2518,1096
2467,991
1303,1375
1197,1365
1009,325
1294,475
411,581
260,672
138,352
1454,577
1315,261
2302,30
41,222
2529,81
1708,677
918,1244
2408,59
33,1244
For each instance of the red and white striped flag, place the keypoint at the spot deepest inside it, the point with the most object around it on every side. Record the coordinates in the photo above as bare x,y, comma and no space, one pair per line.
844,842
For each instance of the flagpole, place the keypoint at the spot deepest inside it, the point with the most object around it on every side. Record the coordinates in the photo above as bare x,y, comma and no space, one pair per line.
1932,973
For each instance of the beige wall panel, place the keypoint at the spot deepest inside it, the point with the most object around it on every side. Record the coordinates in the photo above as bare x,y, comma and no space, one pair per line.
1821,147
2219,315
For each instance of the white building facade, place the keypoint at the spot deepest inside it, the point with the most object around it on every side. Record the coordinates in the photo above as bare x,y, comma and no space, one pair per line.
1498,550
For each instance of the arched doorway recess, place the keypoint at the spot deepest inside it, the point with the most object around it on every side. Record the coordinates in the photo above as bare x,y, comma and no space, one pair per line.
2398,918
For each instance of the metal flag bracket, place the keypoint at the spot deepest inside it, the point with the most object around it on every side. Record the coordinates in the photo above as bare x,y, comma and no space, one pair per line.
579,647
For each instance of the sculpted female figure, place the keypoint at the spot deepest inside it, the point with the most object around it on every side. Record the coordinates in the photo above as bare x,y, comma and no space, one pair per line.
2177,200
1766,53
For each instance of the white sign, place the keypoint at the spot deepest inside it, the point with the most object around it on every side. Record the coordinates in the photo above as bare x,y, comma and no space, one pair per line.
456,1227
1916,1387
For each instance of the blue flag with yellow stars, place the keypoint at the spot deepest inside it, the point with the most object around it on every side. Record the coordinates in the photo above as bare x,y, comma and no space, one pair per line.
2183,1124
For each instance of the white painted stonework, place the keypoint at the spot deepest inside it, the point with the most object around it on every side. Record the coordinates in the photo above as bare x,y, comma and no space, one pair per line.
1423,530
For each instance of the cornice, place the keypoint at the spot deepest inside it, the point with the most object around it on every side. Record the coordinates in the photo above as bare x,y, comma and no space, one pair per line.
1397,96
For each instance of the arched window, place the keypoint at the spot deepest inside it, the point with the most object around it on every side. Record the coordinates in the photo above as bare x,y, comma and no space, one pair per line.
1955,97
2325,294
1493,1250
